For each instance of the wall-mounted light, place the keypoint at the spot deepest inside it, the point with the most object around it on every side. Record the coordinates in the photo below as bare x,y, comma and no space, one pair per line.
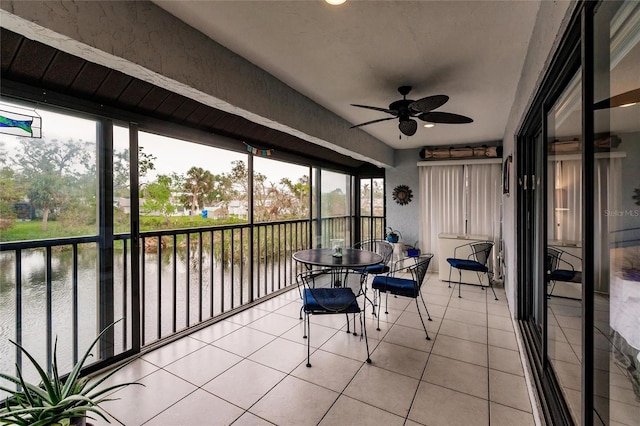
429,125
335,2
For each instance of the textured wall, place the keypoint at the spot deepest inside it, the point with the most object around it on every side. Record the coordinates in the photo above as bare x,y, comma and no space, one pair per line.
405,218
142,40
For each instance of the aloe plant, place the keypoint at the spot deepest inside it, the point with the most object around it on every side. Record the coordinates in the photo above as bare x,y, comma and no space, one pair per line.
55,400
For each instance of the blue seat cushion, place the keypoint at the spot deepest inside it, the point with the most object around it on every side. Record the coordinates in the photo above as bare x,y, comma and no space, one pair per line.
394,285
467,265
379,268
566,275
330,301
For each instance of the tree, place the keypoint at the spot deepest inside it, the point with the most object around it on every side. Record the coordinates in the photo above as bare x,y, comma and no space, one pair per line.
52,171
158,197
198,186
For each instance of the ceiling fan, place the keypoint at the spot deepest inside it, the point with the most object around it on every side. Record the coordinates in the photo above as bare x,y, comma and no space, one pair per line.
404,109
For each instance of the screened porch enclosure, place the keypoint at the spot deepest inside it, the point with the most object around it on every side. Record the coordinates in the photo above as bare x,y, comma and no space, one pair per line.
180,235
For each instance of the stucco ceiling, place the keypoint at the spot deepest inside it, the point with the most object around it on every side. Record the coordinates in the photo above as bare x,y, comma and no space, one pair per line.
362,51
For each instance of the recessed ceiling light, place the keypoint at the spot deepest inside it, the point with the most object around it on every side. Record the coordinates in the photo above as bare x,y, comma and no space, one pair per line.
429,125
628,105
335,2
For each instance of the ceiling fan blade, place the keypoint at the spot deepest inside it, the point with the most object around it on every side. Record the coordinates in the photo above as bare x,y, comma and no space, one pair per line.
626,98
408,127
444,117
429,103
388,111
373,121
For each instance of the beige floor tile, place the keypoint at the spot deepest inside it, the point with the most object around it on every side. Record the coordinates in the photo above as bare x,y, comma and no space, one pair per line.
328,370
463,330
509,389
245,317
199,408
457,375
462,315
170,353
436,299
499,322
556,334
295,402
507,416
137,404
502,339
332,321
498,309
400,359
624,413
468,305
132,372
461,350
409,337
245,383
562,352
281,354
320,334
244,341
274,324
348,411
248,419
412,319
215,331
383,389
505,360
203,365
291,310
435,405
346,344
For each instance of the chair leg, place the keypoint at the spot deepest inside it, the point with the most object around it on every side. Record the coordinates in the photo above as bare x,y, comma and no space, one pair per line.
379,306
491,285
308,339
421,320
355,330
551,292
348,329
425,306
304,335
449,276
459,283
386,303
363,327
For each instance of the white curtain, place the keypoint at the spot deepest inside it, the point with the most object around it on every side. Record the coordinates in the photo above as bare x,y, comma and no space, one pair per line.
459,199
441,205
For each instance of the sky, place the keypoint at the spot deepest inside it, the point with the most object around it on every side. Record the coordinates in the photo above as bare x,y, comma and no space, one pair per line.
169,157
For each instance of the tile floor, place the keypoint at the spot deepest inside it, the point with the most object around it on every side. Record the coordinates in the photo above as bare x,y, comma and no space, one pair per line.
250,369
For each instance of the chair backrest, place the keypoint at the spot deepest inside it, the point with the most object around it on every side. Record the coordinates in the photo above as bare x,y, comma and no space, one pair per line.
553,259
481,251
382,247
419,270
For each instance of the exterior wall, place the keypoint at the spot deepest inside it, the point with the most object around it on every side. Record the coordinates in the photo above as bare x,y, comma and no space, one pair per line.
142,40
405,219
551,22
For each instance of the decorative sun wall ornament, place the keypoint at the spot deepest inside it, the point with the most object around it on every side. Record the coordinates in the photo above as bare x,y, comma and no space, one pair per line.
402,194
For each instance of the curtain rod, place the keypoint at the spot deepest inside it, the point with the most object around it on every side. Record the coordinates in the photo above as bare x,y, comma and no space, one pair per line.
460,162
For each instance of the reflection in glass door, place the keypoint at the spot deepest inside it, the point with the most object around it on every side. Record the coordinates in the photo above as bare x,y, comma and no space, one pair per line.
616,204
563,251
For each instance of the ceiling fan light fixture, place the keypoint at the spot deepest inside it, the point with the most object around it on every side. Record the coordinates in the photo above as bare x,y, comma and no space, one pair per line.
335,2
408,127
